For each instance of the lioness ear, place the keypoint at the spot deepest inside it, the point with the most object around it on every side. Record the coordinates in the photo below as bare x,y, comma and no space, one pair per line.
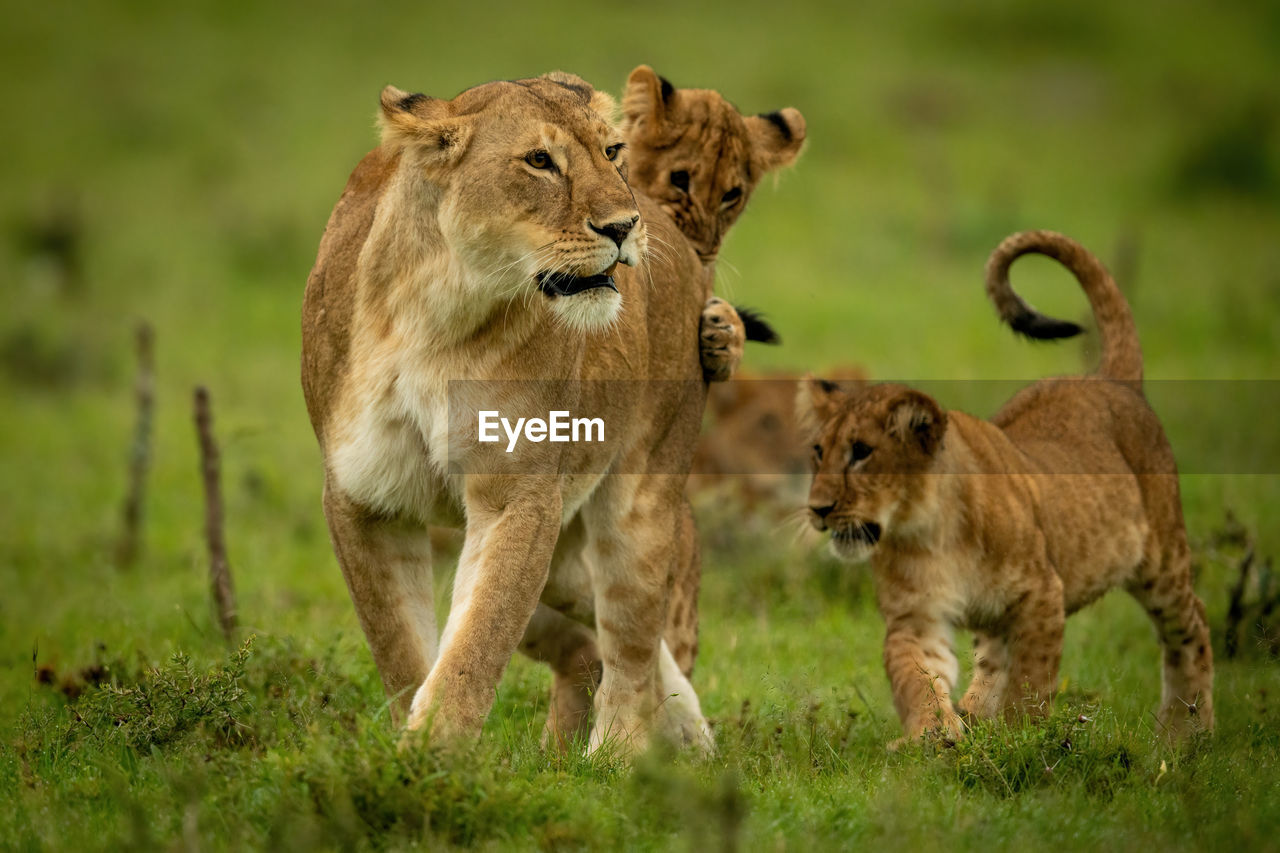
776,138
602,103
424,124
646,99
817,400
916,419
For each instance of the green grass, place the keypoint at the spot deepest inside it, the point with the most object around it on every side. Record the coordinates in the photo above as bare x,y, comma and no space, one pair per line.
199,148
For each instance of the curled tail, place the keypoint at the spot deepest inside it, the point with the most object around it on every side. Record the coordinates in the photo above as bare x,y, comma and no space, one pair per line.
1121,352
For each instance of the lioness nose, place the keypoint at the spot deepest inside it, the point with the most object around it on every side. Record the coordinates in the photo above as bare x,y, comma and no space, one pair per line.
616,231
821,511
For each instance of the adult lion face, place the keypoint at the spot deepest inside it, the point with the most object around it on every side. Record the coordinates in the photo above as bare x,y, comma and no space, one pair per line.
527,179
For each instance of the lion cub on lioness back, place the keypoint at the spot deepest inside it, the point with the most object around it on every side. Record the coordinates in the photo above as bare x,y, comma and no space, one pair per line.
1007,526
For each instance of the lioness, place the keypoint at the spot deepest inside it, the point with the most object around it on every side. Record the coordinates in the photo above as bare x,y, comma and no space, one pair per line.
1006,527
482,241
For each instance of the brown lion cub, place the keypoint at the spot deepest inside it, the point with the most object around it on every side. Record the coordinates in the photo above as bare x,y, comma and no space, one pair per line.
1005,527
700,159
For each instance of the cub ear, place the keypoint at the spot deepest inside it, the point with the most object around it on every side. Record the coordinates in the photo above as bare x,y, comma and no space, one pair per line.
776,138
423,125
817,400
917,420
646,99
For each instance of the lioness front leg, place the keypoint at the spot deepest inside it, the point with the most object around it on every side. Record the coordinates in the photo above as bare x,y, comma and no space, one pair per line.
720,338
922,671
387,566
512,528
631,553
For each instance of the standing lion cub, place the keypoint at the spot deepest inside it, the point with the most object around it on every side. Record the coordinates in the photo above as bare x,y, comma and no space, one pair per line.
1005,527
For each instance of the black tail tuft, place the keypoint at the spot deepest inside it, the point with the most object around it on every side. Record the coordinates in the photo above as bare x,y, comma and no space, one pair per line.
757,328
1035,325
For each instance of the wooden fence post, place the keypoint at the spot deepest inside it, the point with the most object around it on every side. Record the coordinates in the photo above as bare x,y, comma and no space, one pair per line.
224,594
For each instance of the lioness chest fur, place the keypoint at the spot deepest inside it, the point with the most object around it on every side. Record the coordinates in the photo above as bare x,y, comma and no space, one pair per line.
482,241
1006,527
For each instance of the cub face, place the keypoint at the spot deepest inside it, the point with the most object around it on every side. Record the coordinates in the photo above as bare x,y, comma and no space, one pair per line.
698,157
872,448
529,181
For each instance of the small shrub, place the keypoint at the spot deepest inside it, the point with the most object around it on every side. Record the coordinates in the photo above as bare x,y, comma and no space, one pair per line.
168,702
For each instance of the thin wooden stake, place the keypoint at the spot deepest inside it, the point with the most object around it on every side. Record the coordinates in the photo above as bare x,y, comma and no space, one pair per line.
129,546
224,594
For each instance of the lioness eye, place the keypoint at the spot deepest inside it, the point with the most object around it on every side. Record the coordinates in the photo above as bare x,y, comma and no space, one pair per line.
538,159
859,451
680,180
732,195
612,151
817,452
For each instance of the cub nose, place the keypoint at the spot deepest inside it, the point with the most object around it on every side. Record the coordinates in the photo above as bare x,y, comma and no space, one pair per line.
821,511
616,231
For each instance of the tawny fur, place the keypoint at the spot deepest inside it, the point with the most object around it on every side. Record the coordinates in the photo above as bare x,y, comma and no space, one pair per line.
724,155
753,450
1006,527
428,273
693,153
668,130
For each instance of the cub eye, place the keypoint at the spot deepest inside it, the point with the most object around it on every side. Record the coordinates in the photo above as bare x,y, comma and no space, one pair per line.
859,451
817,452
680,180
613,150
538,159
732,195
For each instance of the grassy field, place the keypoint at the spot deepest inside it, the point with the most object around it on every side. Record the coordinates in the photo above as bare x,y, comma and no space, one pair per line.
177,162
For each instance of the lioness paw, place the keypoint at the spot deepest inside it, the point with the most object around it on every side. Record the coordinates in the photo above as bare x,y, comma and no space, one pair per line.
720,340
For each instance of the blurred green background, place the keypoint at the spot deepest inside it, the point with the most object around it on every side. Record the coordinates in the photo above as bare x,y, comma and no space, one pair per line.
176,162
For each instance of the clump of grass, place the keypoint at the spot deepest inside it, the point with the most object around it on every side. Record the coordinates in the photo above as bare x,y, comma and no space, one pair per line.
167,702
1070,748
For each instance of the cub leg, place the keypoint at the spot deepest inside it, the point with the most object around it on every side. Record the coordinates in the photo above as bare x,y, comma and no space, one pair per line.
922,671
569,648
631,554
1034,640
1186,702
985,697
511,533
387,566
721,337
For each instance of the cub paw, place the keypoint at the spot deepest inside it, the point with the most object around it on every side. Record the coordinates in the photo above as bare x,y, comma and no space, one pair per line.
720,339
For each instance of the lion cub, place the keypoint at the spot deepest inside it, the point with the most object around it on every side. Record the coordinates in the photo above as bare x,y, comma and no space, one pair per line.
1006,526
700,159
